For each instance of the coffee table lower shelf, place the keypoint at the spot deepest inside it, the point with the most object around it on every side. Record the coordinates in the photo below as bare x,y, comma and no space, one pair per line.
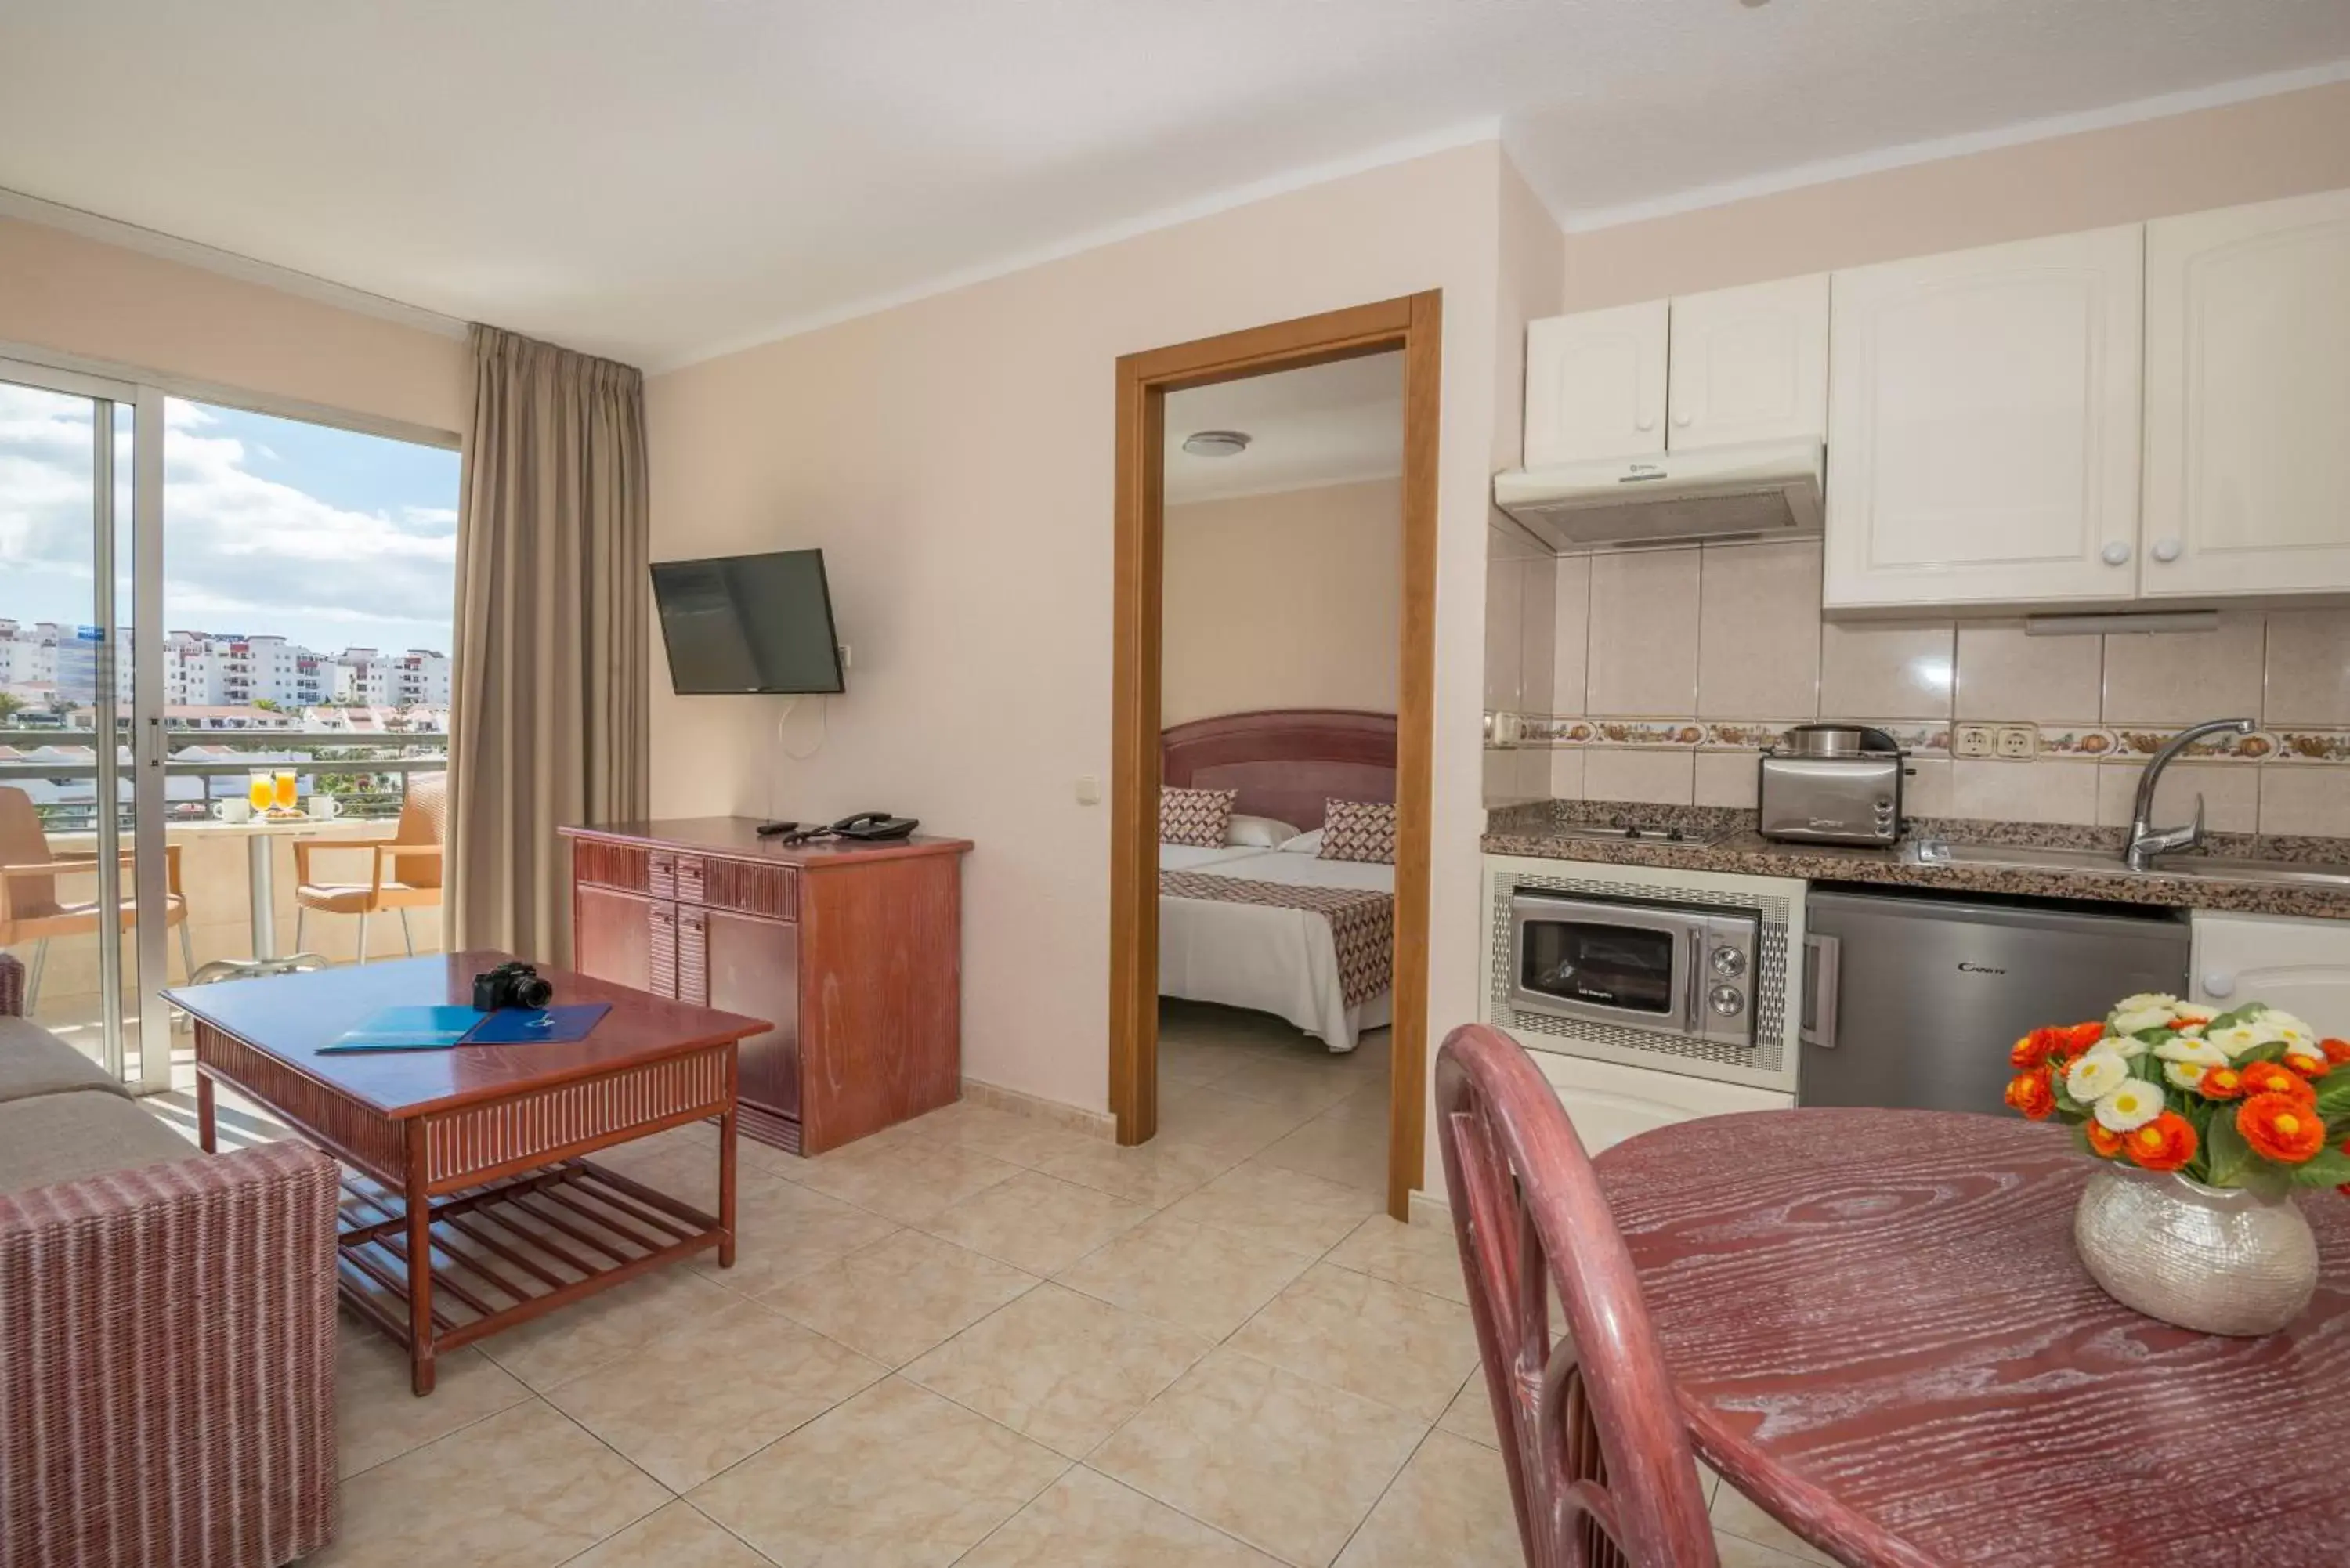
511,1251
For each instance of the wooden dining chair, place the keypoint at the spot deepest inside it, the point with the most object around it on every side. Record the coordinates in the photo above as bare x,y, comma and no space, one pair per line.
30,909
405,873
1601,1471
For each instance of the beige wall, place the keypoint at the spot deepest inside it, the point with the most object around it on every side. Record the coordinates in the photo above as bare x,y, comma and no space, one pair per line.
2251,152
1287,601
953,457
76,296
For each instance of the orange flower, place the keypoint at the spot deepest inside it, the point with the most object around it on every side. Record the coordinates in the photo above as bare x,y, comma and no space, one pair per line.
2281,1128
2165,1143
2107,1143
2221,1084
2030,1094
2336,1051
2081,1036
2307,1060
2273,1078
2035,1048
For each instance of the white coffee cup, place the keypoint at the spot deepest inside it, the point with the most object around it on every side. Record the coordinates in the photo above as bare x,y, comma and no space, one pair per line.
235,808
323,806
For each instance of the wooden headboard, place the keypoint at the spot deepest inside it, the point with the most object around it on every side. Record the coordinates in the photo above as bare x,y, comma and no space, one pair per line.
1285,762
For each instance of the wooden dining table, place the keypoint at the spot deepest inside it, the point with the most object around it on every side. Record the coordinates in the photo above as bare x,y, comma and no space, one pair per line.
1878,1330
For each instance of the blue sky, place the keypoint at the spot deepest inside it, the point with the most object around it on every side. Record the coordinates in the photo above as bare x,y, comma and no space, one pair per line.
329,537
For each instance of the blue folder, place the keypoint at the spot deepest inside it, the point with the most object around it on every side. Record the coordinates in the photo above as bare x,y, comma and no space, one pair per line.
529,1025
408,1029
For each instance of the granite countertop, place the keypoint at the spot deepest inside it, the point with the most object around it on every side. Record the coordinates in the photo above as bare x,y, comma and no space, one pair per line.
1723,839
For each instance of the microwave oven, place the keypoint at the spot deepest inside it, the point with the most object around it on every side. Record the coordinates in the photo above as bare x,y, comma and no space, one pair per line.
1681,970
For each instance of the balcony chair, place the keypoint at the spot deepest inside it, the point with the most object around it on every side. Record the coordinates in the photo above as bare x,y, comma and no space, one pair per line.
1601,1471
405,875
30,909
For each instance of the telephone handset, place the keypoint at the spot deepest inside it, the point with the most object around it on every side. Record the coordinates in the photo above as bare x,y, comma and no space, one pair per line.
875,826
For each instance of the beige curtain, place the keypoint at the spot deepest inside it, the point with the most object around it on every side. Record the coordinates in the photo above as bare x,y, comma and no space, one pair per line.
549,719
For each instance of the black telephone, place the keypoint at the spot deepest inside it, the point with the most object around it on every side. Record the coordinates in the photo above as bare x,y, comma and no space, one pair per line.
875,826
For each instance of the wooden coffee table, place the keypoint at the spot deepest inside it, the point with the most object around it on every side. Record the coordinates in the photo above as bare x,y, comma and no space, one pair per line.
466,1206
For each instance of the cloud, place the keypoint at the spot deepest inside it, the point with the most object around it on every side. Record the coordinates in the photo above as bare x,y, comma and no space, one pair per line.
241,552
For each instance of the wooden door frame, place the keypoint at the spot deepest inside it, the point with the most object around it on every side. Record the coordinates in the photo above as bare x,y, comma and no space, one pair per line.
1413,324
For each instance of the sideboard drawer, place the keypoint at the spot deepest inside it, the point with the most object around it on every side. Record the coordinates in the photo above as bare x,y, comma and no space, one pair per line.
742,886
598,864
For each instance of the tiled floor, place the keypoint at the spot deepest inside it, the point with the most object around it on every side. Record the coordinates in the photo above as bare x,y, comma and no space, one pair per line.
982,1339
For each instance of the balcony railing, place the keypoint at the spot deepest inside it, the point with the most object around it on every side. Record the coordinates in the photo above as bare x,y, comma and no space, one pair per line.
366,772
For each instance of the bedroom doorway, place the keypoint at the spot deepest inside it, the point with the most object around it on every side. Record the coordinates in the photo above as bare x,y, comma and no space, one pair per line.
1274,581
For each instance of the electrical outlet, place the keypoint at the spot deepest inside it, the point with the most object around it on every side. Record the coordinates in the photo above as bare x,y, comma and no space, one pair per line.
1972,741
2019,742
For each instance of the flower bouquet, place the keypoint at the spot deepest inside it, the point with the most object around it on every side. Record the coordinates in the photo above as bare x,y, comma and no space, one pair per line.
2204,1121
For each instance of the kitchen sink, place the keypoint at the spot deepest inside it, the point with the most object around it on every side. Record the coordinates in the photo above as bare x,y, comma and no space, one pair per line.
2217,868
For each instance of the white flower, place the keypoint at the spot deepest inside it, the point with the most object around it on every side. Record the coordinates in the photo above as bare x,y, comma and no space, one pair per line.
2130,1107
2284,1025
2135,1019
2237,1038
2191,1031
2146,1000
2193,1012
2128,1047
2095,1075
2185,1075
2201,1052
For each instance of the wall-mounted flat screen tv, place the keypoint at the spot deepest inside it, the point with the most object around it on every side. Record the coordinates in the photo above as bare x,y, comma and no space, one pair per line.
748,624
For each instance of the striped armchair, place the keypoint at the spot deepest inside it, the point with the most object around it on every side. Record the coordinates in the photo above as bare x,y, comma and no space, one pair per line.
167,1329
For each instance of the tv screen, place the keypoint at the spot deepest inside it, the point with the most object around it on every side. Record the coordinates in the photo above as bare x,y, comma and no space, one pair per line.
748,623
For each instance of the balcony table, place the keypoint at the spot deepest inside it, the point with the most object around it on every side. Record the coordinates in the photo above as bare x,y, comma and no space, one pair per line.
260,834
1878,1329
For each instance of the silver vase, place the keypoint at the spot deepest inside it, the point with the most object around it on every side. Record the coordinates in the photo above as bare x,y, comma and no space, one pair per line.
2219,1259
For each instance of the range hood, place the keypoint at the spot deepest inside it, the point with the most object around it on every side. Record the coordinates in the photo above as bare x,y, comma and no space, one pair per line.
1768,490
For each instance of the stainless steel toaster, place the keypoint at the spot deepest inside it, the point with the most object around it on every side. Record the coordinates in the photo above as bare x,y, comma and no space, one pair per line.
1833,784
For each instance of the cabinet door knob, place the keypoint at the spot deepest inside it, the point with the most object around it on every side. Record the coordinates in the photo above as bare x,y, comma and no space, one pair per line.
2115,554
1683,421
2166,549
2219,982
1644,424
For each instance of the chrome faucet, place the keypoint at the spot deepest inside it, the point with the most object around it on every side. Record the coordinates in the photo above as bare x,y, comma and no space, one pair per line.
2146,840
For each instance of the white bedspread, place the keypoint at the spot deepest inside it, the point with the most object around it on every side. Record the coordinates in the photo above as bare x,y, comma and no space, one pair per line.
1274,960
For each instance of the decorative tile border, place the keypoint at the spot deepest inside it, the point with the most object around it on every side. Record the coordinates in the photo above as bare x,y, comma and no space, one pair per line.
1919,738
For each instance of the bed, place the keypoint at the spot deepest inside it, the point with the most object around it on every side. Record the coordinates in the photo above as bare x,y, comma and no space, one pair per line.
1250,944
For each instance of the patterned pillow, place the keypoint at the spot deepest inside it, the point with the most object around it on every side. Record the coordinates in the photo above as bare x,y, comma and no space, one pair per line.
1359,830
1197,817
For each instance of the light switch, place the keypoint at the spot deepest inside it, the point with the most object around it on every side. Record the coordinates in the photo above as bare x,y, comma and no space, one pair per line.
2019,742
1973,741
1088,790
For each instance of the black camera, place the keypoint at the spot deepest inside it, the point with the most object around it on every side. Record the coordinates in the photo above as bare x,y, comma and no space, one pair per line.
512,984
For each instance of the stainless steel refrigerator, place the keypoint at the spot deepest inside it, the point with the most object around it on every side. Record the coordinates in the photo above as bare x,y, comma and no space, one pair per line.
1913,999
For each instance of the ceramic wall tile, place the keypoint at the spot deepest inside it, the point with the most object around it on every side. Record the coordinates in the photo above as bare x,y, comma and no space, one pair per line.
1571,635
2308,675
1566,774
1887,670
2308,801
1759,630
1537,636
1727,778
2005,673
1644,633
2231,793
1660,777
1504,622
1927,791
2178,677
2062,792
1533,780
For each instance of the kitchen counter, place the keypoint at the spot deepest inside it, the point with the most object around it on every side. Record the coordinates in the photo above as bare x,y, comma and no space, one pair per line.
1744,851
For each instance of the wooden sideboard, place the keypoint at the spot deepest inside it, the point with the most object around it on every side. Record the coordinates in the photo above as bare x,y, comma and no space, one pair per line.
853,951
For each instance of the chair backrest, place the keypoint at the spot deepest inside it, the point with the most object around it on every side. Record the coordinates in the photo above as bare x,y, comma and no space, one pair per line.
22,843
423,819
1600,1466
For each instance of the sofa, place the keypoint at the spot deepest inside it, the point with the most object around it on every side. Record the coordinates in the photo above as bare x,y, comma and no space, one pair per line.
167,1328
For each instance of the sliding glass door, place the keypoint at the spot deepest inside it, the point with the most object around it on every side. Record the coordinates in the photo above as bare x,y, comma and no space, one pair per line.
88,898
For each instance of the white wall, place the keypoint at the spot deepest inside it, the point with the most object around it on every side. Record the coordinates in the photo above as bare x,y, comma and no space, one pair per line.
1293,599
954,458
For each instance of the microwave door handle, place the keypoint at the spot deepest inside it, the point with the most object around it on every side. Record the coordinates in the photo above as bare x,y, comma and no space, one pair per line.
1694,940
1823,963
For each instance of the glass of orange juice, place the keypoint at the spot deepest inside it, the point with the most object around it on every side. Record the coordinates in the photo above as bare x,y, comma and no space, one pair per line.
285,789
261,791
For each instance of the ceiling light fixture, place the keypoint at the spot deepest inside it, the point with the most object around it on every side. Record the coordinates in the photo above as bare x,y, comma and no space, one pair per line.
1216,443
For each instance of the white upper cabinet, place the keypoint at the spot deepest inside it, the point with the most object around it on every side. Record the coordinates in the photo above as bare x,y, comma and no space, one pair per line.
1595,385
2248,399
1749,365
1983,425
